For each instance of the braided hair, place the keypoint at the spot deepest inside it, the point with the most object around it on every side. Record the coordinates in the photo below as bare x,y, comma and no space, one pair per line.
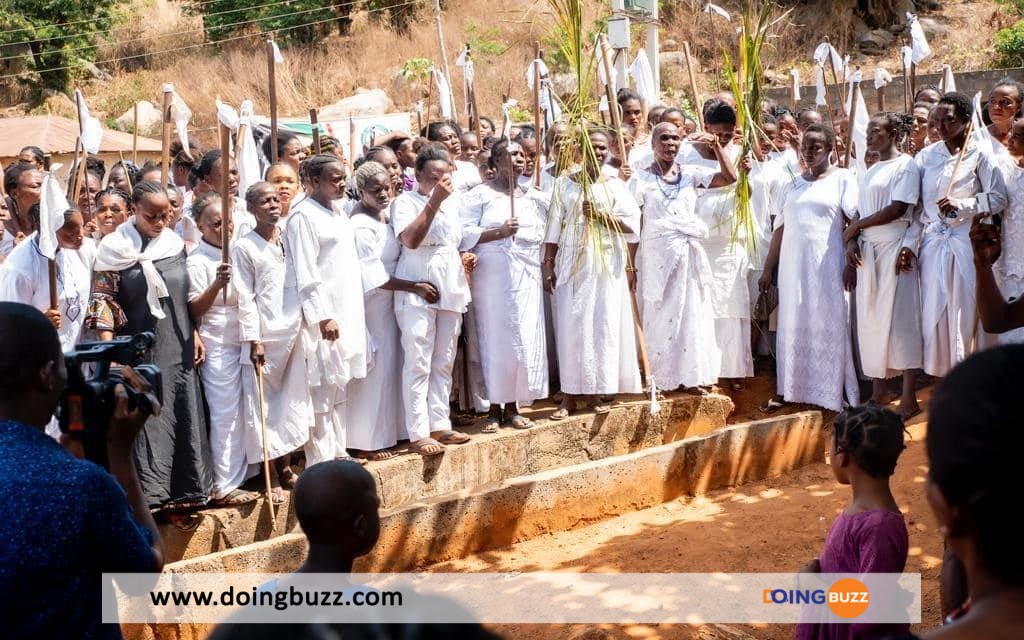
112,192
202,169
899,124
314,167
370,170
826,131
872,436
144,188
202,203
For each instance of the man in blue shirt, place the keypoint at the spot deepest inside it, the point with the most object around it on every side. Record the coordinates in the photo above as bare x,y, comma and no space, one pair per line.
66,521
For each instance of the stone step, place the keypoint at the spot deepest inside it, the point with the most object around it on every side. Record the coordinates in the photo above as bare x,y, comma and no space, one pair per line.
487,460
521,508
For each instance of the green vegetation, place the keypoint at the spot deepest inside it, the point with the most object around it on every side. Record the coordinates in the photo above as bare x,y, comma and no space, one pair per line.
1010,45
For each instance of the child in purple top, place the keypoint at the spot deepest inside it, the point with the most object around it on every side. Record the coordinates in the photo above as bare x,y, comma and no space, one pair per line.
870,535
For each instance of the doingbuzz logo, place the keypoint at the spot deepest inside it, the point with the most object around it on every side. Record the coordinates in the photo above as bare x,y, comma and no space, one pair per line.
846,598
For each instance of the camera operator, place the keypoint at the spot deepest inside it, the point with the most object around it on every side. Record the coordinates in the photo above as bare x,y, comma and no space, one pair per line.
67,521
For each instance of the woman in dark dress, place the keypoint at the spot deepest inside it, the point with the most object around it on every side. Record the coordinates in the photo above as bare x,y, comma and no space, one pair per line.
140,283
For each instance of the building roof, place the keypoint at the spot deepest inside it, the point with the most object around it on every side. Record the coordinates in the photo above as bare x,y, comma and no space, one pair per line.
57,135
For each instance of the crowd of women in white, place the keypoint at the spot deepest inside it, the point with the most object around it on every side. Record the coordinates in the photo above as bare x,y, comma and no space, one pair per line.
351,309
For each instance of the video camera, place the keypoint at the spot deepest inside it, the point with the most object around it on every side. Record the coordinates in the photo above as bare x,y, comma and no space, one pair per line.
87,403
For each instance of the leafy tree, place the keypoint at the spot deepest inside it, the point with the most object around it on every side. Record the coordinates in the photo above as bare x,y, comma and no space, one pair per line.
52,34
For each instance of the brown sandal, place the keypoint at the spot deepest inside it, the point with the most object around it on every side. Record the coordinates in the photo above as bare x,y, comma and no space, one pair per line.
421,447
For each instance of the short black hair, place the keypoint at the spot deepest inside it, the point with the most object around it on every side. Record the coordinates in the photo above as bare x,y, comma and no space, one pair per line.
314,167
430,153
432,131
112,192
283,139
203,168
825,130
27,342
872,436
670,111
899,124
625,95
203,202
974,442
490,122
719,112
12,175
37,154
962,107
144,188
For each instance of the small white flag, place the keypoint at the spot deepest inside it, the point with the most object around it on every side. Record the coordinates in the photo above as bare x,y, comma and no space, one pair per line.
542,71
444,94
824,52
180,114
603,104
644,77
506,110
796,84
92,130
227,115
714,8
854,80
248,156
52,205
882,78
859,131
278,58
604,53
919,44
948,80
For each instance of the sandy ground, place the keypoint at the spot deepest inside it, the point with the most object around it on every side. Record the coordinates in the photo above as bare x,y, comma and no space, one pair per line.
771,526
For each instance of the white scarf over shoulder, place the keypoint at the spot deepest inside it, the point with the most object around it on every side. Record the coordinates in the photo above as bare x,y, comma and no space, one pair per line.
122,250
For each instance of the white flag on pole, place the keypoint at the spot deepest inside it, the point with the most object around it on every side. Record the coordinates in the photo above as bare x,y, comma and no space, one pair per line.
92,131
278,58
52,205
796,84
859,132
643,78
948,80
854,79
444,94
714,8
605,53
882,78
819,99
918,43
248,157
180,114
824,51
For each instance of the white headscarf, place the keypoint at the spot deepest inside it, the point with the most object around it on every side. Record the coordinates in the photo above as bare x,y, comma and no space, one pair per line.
122,250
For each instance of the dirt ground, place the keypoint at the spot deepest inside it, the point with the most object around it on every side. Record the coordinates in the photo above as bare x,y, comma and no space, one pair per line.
770,526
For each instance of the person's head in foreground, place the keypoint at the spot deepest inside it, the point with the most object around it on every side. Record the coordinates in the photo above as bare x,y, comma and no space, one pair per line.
866,443
336,505
974,440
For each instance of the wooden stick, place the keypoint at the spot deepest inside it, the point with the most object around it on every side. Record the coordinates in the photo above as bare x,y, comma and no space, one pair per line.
353,144
693,85
272,92
849,124
613,105
640,340
907,97
135,134
315,125
165,141
444,54
127,175
266,456
539,157
960,157
880,97
913,78
239,137
225,198
831,115
474,120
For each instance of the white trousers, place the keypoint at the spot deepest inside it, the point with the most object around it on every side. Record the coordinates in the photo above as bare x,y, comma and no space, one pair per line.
327,438
222,383
428,340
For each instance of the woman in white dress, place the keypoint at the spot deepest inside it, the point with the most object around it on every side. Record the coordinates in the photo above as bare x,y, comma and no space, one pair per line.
814,357
675,278
591,222
216,316
376,400
426,222
507,293
725,244
888,291
465,175
1010,266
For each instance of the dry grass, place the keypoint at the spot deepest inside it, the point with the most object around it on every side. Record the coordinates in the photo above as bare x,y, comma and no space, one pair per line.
373,56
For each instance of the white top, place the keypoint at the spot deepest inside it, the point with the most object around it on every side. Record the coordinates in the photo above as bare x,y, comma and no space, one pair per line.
437,259
268,302
486,208
888,181
466,175
978,186
25,278
221,321
378,250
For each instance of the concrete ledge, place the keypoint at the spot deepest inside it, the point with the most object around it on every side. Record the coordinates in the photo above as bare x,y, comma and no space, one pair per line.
558,499
486,460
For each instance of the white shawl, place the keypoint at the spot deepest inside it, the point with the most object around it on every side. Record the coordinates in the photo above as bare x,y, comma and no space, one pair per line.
122,249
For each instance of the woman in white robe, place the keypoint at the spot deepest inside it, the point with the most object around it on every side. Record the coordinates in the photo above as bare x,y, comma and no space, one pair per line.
376,400
269,326
815,357
726,246
321,249
888,293
949,323
507,293
1010,266
216,316
427,224
586,260
465,175
24,277
674,274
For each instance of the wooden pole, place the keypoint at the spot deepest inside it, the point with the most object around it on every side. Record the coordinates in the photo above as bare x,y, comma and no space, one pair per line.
907,97
538,159
353,144
960,156
913,79
272,92
880,97
225,198
165,141
613,105
263,439
135,134
693,85
315,126
444,53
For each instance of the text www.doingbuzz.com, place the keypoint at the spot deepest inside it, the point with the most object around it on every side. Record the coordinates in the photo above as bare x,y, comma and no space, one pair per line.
279,600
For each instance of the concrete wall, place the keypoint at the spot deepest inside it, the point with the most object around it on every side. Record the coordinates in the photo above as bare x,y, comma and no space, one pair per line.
969,82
